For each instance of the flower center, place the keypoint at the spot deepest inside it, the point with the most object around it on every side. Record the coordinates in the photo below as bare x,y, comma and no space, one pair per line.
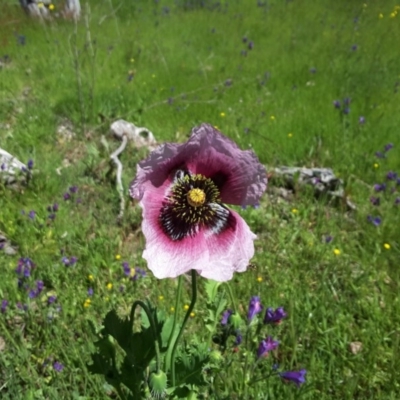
193,204
196,197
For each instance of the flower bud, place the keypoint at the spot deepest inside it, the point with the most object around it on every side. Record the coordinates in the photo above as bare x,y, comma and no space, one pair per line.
158,383
235,320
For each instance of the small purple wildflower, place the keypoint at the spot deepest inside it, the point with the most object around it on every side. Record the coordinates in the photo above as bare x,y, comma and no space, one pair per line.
379,154
58,367
139,273
266,346
255,307
30,164
354,47
69,262
51,299
238,339
328,239
73,189
346,110
361,120
3,166
391,175
32,214
244,40
52,216
397,201
67,196
388,147
24,267
297,377
336,103
274,317
39,285
126,268
225,317
250,46
379,187
374,220
90,292
375,201
4,304
313,70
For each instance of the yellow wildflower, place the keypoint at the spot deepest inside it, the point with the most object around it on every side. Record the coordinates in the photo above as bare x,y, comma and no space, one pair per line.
87,303
51,7
290,135
259,279
192,314
186,307
161,297
272,118
376,165
386,246
172,309
336,252
295,210
90,277
118,257
109,286
222,114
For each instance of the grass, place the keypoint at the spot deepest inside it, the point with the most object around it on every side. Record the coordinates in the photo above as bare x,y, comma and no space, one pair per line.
192,64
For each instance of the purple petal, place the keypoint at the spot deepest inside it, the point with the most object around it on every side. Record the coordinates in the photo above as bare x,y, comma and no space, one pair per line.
297,377
238,174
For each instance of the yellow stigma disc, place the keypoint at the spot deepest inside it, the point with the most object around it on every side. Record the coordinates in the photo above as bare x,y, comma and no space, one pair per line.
196,197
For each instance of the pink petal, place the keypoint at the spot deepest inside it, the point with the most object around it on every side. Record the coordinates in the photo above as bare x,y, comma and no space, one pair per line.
213,256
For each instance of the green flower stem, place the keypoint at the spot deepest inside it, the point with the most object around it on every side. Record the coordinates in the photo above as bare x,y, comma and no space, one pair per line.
153,328
231,297
172,336
190,309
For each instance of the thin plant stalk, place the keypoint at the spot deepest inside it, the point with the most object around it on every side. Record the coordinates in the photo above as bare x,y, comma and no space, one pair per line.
189,311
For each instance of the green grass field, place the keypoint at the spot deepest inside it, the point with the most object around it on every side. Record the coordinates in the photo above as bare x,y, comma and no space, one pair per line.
267,75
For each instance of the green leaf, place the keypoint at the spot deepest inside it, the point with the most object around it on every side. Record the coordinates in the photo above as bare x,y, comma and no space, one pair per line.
190,364
212,289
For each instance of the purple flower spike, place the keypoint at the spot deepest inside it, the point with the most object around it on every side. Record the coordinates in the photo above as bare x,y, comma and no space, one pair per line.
73,189
198,178
266,346
346,110
4,304
51,299
250,45
32,214
225,317
90,292
239,339
297,377
375,201
388,146
336,104
274,317
30,164
67,196
255,308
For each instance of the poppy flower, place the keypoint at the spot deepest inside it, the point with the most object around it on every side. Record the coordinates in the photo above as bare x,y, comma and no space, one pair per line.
183,189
